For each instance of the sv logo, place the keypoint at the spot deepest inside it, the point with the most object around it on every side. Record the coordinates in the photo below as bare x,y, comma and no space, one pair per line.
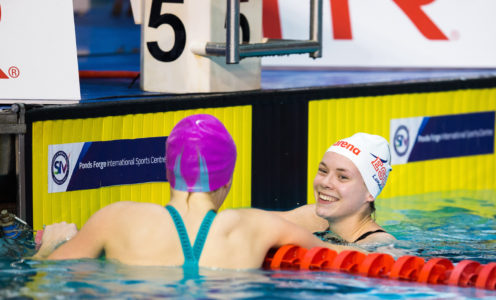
59,168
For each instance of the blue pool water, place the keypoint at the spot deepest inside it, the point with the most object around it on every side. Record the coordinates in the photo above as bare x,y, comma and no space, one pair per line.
455,225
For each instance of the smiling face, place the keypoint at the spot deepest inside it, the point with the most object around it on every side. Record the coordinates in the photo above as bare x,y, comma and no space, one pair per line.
339,189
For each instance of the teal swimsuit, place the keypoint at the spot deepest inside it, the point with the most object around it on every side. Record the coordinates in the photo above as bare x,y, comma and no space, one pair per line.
191,254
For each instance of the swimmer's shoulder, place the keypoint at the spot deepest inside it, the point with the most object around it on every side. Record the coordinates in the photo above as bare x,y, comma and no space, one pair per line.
242,214
306,217
377,238
129,207
247,218
237,222
128,211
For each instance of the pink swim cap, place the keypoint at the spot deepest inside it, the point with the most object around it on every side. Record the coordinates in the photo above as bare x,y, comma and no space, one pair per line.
200,154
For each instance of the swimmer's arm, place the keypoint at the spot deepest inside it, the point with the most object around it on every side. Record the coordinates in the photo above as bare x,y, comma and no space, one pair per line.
305,217
289,233
87,243
53,236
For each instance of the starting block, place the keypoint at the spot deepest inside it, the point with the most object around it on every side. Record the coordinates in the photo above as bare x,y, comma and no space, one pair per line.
210,45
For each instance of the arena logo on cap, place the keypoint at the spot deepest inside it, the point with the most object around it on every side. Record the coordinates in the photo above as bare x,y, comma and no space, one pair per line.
348,146
60,167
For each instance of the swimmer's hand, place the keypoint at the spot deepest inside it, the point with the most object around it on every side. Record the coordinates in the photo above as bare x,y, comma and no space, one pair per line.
53,236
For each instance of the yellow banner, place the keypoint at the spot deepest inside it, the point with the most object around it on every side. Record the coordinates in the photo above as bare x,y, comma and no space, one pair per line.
78,206
333,119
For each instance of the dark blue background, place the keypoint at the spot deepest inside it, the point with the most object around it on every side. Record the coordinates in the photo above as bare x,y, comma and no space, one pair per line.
116,150
458,147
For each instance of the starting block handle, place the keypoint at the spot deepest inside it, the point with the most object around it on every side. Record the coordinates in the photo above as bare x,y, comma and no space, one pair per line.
233,51
268,47
316,26
232,32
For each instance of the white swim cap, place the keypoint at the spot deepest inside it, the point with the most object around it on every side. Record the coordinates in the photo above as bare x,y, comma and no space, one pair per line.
371,155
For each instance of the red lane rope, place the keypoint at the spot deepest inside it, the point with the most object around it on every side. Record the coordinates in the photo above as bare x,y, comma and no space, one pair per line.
108,74
466,273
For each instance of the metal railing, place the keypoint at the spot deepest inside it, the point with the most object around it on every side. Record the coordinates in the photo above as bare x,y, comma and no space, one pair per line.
234,51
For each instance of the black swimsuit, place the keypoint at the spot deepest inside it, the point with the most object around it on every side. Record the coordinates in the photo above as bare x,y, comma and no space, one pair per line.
366,234
330,237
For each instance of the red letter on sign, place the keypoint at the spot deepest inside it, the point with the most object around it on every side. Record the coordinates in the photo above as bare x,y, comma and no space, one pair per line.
3,75
271,21
341,22
412,8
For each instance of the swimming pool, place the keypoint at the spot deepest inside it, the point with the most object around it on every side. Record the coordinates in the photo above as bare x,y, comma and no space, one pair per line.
453,225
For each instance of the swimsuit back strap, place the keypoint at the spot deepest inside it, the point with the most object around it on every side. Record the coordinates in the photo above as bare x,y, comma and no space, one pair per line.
201,236
191,254
183,234
366,234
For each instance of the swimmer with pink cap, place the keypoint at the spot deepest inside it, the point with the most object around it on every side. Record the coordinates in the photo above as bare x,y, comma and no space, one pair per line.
350,177
189,232
200,154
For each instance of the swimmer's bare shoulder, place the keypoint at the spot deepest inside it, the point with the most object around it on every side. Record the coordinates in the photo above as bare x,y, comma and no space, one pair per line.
377,238
244,220
107,225
266,229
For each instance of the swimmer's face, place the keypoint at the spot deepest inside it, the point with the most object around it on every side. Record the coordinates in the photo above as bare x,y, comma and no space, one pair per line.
339,189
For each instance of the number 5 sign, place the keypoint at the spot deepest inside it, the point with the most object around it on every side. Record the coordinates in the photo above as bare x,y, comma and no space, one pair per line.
171,28
38,59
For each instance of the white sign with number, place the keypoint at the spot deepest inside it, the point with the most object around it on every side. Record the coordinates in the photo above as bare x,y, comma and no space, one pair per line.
393,33
171,28
38,56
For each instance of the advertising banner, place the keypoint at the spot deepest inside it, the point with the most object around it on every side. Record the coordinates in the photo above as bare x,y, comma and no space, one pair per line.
427,138
390,33
38,58
90,165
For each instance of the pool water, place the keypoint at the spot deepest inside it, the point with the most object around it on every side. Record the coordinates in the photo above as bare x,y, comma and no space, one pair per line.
454,225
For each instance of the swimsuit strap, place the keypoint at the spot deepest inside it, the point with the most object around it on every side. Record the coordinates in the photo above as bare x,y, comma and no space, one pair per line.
183,234
366,234
191,254
201,236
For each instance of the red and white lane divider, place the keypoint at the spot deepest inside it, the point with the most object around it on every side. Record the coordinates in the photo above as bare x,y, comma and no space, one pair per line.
466,273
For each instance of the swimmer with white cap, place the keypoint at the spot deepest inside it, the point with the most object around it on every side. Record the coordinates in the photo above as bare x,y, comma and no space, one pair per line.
200,159
350,177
